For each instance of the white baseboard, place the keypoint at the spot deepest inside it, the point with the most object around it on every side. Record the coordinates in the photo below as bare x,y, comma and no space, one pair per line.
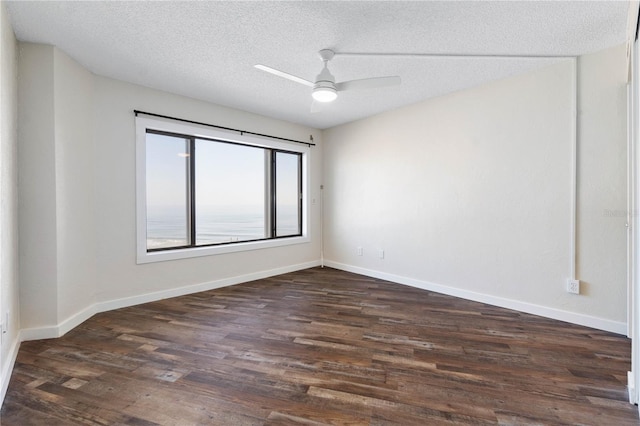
571,317
196,288
7,368
37,333
50,332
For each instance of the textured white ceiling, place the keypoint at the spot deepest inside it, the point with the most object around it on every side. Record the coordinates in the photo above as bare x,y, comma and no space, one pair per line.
207,50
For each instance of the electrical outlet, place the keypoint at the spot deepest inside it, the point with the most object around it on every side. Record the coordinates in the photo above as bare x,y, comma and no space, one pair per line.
360,251
573,286
381,254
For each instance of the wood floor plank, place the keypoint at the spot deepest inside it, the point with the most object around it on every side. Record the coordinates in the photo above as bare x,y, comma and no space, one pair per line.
321,347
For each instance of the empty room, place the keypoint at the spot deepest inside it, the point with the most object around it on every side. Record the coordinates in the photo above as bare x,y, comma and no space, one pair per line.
319,213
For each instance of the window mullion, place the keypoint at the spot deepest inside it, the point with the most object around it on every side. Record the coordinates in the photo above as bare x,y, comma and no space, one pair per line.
191,182
300,195
273,194
268,229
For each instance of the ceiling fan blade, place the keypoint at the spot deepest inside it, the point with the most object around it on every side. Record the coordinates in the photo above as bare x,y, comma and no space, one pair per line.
284,75
368,83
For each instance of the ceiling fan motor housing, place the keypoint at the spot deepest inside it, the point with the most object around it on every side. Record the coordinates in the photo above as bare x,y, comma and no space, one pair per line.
324,89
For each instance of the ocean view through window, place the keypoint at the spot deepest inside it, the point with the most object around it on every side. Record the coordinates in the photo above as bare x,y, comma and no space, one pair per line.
205,192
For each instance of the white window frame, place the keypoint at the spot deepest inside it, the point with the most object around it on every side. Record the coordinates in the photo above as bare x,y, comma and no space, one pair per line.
144,123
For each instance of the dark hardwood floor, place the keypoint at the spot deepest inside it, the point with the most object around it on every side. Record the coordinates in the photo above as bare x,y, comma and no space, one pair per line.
321,346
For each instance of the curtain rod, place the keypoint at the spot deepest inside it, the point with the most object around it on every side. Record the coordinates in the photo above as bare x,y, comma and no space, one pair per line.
136,112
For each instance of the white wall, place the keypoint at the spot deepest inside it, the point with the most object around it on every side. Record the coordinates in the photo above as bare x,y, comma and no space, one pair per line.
37,176
9,299
602,177
77,168
75,185
470,194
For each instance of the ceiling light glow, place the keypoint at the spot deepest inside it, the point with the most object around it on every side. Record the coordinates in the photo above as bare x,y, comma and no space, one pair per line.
324,94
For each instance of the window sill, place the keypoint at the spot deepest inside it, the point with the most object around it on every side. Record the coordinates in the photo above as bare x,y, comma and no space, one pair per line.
161,256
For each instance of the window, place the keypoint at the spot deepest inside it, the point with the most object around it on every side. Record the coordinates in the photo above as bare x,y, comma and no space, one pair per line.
167,191
205,191
230,192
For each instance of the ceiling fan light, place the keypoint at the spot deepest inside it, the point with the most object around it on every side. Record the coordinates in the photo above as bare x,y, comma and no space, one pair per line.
324,94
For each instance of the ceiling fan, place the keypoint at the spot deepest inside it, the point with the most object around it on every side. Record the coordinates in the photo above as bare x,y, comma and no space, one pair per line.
325,88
